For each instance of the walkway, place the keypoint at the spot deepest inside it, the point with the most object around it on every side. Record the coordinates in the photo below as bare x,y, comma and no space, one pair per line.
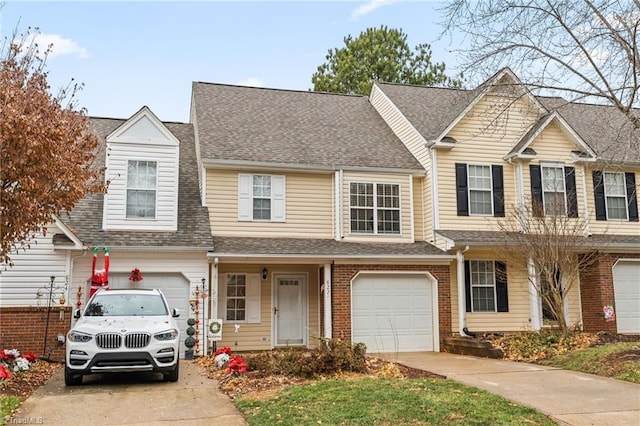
568,397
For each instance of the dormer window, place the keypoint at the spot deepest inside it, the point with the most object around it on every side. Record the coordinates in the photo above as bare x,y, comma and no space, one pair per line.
142,177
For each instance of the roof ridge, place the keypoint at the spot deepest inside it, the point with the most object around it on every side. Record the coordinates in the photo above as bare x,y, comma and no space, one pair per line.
422,86
274,89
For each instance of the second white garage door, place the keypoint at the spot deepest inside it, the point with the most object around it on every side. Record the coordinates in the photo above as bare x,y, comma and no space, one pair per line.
393,312
626,285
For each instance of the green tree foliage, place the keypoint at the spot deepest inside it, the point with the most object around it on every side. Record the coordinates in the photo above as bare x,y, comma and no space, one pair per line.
378,54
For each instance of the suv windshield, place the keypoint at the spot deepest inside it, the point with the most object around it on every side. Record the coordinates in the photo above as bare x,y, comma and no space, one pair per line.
114,305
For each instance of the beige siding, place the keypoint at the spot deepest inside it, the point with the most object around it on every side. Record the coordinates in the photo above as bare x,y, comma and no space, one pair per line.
418,209
309,207
481,139
610,226
405,206
252,337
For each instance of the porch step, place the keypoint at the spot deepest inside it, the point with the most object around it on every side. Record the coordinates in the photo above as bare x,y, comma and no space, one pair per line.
471,346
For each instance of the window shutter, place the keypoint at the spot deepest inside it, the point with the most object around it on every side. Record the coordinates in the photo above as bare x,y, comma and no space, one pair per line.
598,194
632,196
467,285
462,195
498,191
277,199
245,193
253,298
502,295
570,186
537,204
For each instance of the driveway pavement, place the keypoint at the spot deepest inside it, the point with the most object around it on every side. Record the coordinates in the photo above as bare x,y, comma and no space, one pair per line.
127,399
568,397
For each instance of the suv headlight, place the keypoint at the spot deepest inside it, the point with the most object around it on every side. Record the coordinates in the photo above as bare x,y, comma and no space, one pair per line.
77,336
167,335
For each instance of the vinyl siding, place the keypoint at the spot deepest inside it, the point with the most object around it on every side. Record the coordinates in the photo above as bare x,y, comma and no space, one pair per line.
405,206
481,141
610,226
253,337
308,205
32,270
166,157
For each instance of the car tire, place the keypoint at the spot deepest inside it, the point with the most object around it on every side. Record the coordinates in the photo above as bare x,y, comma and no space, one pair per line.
71,379
174,374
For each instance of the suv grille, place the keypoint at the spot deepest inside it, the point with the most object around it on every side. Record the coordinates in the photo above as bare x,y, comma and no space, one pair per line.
114,340
137,340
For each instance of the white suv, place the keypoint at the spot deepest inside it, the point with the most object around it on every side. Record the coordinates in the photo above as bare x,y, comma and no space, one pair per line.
123,331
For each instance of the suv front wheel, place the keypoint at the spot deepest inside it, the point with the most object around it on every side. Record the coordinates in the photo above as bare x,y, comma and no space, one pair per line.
71,379
173,375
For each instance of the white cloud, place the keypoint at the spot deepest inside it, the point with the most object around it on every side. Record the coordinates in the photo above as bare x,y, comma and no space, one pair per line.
370,7
60,45
251,81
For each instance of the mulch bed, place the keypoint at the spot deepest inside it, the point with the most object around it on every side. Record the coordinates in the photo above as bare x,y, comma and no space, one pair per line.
24,383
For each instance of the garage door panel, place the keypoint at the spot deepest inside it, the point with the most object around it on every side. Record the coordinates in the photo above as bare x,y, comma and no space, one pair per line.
626,284
392,312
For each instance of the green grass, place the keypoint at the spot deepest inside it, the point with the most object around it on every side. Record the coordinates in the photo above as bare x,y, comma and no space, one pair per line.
617,360
381,401
7,406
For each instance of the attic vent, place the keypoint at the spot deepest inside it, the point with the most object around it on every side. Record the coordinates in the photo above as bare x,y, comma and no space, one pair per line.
448,140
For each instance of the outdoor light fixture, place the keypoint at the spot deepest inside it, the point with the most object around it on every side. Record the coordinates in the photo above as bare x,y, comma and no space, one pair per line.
265,273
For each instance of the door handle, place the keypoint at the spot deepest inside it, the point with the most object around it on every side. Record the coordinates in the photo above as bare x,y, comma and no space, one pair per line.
275,311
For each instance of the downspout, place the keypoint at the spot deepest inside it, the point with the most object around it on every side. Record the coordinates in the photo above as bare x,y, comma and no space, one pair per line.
213,273
435,212
462,309
338,176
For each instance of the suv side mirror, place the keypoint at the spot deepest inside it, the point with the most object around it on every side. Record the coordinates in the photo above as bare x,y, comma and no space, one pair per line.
77,313
175,313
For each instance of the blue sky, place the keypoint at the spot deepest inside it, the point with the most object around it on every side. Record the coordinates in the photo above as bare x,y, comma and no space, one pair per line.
130,54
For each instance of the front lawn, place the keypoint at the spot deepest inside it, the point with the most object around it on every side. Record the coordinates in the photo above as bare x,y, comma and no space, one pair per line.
385,401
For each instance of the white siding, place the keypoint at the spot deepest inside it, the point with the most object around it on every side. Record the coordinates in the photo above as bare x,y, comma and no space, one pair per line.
32,270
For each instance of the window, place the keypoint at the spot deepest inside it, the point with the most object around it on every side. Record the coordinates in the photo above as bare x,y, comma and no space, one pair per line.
261,198
486,286
141,189
479,190
553,190
375,208
615,195
240,298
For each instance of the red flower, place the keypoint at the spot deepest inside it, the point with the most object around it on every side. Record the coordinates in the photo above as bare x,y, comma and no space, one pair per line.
237,365
4,374
225,350
30,356
4,355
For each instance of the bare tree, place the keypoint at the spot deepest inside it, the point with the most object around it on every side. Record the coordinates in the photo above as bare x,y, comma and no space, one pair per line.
582,50
553,247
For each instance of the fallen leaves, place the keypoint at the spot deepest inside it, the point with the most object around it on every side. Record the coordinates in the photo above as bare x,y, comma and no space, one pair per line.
23,383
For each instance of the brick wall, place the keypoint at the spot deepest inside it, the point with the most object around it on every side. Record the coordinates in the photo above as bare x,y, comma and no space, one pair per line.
341,294
596,291
23,328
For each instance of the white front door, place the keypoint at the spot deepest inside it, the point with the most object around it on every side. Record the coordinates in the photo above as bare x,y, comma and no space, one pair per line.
290,310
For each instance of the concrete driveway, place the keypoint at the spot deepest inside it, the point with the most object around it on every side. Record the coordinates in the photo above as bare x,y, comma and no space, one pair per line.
127,399
566,396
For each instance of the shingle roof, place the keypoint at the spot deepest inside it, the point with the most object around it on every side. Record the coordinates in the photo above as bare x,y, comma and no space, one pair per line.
238,123
194,229
320,247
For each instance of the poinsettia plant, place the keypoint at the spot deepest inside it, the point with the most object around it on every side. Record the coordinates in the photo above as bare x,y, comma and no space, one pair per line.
13,360
237,366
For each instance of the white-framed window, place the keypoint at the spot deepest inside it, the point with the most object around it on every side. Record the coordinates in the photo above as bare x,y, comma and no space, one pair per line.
261,197
553,190
615,192
483,285
480,190
374,208
240,301
142,178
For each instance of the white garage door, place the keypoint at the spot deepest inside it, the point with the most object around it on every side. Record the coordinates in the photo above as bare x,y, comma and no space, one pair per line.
175,288
392,313
626,285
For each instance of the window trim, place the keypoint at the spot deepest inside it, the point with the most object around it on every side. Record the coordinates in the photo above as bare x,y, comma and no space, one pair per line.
252,297
246,197
375,208
154,190
494,286
560,167
624,195
491,189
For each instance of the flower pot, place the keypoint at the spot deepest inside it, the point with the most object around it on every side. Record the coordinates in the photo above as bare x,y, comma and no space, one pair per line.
188,354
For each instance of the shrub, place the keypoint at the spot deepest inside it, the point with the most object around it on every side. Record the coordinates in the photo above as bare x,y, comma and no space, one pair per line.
532,346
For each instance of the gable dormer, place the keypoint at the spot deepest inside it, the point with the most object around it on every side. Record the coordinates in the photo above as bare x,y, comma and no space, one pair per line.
142,170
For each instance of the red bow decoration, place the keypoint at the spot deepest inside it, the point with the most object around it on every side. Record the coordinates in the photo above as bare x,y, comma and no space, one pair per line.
136,275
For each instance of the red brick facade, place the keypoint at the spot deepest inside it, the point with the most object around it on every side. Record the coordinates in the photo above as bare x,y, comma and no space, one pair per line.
596,291
341,294
23,328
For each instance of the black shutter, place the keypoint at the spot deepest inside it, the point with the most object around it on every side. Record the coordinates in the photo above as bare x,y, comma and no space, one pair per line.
570,187
632,196
462,196
598,194
498,191
537,205
467,285
502,296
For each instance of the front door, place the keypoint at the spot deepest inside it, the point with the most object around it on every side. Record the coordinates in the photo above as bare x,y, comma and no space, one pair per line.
290,310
